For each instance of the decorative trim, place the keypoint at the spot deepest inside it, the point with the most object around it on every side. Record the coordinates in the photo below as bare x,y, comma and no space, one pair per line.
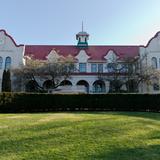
6,34
156,35
97,73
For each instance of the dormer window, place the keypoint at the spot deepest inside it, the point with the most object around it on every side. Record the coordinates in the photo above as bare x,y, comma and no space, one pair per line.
82,67
93,68
96,68
111,67
100,68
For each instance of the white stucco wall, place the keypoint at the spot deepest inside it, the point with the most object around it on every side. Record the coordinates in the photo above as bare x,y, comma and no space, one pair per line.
151,50
9,49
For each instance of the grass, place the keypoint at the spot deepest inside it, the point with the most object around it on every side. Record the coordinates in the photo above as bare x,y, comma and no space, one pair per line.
80,136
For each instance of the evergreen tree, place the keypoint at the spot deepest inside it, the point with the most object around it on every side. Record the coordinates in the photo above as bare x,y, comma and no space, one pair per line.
6,81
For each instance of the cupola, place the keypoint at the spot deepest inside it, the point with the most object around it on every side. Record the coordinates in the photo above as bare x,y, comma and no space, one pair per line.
82,38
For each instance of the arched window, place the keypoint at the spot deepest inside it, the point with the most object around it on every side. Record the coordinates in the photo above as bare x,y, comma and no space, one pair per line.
8,63
1,62
154,62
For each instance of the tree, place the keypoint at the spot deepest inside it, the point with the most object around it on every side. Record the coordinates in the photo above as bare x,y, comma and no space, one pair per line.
129,72
6,81
53,70
146,75
120,72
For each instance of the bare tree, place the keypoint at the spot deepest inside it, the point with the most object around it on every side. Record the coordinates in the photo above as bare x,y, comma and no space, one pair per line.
145,73
129,72
34,69
120,71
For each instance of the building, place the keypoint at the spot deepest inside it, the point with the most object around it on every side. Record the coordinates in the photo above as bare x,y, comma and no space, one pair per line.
91,61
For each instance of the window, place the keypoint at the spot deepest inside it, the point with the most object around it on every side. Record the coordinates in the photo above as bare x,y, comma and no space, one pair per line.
100,68
82,67
93,67
96,68
156,87
8,63
124,68
111,67
1,62
154,62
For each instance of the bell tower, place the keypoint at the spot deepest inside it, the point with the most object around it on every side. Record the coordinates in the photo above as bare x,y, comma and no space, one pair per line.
82,38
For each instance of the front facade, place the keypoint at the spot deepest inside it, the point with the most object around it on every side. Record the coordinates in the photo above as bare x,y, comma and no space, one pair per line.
93,71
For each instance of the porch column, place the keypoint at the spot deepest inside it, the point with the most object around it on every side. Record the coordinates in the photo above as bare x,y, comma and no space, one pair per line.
107,84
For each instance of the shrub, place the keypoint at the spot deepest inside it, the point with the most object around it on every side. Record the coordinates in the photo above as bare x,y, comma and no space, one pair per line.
26,102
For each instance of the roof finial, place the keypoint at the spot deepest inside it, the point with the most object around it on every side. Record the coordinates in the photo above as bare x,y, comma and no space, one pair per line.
82,26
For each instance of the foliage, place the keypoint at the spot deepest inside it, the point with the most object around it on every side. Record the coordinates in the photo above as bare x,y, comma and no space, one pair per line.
121,72
3,80
54,71
80,136
129,72
23,102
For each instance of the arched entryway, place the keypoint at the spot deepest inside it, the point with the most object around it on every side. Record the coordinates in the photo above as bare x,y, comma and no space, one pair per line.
66,83
99,87
48,84
31,86
85,84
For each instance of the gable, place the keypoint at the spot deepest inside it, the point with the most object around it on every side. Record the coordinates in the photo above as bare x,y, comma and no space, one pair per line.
111,56
9,48
154,43
6,41
82,56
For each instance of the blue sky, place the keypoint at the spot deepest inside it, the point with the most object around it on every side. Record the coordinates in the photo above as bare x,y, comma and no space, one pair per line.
109,22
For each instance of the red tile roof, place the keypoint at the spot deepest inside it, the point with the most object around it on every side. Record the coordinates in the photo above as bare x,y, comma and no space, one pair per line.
95,52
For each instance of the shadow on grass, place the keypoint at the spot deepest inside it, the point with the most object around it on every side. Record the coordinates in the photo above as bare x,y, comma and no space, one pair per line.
148,115
151,152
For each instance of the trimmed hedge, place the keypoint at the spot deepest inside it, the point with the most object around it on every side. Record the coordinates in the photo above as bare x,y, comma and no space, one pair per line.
24,102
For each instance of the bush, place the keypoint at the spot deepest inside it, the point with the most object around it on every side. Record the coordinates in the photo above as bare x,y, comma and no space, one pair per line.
26,102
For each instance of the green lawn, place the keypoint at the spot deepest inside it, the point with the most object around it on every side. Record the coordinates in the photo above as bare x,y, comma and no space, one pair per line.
80,136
